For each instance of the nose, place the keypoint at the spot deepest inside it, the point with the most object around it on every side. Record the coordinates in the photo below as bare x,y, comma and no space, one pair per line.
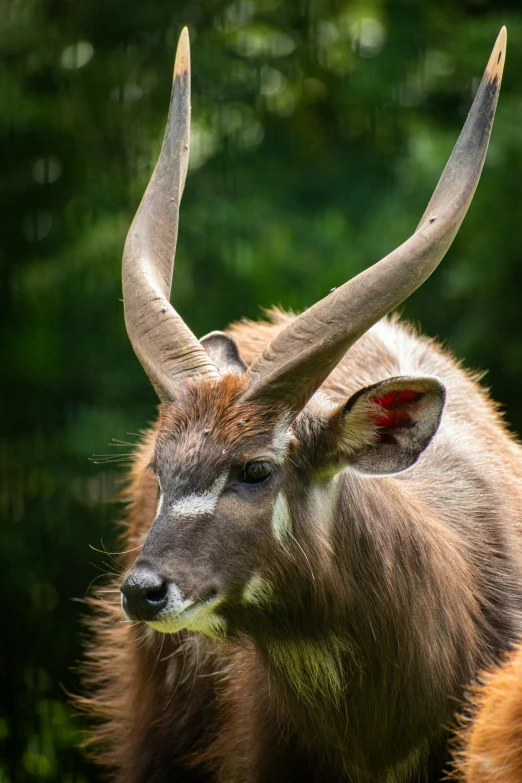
144,594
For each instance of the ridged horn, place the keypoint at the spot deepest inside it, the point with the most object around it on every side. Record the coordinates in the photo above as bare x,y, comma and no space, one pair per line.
163,343
302,355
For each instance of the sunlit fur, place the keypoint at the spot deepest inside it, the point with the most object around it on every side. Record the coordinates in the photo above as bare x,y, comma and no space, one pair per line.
385,600
314,668
257,591
490,741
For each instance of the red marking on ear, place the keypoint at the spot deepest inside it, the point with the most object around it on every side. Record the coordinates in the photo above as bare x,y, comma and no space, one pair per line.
393,419
394,399
395,404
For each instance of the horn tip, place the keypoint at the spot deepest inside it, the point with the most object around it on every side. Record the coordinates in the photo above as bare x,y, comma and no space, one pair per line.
495,65
182,63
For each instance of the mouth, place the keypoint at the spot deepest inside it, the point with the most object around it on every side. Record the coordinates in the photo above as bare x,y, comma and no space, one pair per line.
199,615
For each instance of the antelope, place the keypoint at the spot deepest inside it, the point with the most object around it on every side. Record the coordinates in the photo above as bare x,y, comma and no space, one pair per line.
322,541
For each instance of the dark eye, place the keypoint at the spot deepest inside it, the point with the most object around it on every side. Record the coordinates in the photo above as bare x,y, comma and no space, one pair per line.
255,472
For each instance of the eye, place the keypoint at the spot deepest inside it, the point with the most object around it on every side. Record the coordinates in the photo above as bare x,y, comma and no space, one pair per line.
255,472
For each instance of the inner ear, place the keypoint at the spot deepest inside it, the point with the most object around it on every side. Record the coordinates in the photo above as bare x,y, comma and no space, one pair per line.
385,427
223,352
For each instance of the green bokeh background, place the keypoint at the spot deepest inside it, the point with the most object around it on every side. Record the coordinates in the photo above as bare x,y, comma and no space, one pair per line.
319,131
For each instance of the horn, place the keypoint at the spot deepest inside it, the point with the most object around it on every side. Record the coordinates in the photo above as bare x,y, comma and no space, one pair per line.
163,343
302,355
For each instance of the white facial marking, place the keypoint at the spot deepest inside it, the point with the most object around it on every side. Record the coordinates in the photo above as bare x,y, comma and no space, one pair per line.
281,519
202,503
282,437
257,591
175,602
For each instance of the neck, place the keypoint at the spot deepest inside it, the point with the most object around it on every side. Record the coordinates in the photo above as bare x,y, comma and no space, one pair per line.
371,611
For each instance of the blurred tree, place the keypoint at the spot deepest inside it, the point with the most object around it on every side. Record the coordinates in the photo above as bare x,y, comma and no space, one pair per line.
319,130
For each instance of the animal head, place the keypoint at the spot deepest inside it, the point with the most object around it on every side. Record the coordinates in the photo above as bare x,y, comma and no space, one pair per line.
241,450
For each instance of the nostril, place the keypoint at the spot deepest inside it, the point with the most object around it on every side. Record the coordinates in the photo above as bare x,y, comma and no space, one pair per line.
157,595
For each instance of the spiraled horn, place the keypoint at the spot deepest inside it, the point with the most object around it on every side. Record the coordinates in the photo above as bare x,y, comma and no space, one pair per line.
303,354
163,343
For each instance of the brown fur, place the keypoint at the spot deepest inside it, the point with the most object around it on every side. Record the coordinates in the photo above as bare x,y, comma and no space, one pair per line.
491,737
392,607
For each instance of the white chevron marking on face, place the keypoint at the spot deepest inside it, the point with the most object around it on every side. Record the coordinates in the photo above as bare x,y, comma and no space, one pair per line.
281,519
202,503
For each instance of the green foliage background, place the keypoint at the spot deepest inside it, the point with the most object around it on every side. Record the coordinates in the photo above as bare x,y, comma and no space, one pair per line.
320,128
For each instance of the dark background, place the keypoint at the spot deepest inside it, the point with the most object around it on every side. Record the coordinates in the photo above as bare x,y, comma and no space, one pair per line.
319,131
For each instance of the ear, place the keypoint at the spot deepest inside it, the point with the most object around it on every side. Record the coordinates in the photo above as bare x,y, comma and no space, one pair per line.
223,352
384,428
